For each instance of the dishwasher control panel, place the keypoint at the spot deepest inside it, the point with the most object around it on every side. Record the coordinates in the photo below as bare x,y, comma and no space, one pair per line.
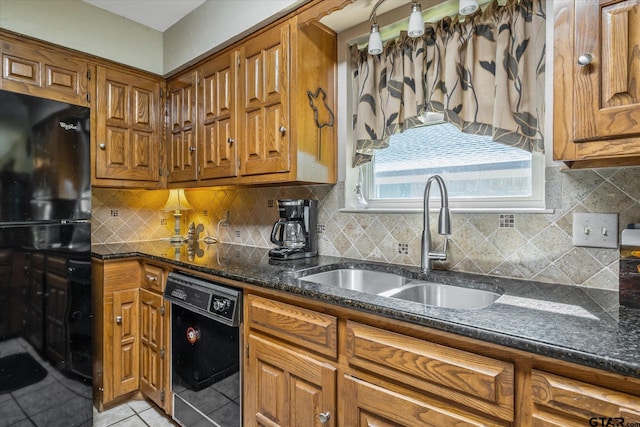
208,298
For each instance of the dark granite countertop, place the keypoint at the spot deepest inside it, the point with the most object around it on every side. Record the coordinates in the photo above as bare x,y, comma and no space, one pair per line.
576,324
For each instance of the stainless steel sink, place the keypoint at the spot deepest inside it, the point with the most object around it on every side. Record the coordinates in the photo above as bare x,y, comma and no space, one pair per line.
445,296
369,281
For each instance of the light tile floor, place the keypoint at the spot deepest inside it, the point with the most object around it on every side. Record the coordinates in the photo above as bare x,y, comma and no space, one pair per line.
134,413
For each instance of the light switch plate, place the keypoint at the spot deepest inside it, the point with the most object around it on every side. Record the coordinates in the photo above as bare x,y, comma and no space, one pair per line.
595,230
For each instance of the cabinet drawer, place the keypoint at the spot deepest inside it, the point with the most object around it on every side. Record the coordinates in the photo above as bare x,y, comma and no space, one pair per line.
306,328
569,402
121,275
154,278
470,380
373,405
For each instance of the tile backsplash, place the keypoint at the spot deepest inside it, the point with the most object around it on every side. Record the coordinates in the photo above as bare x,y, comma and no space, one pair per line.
529,246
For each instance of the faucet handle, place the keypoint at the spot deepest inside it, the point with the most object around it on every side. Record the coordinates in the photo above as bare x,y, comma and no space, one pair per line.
440,256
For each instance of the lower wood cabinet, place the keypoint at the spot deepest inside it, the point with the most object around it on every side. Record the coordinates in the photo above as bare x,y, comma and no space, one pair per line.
287,387
454,382
313,364
367,404
563,401
154,342
126,338
131,334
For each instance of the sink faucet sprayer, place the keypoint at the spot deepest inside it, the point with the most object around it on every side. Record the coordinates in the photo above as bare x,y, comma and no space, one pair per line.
444,225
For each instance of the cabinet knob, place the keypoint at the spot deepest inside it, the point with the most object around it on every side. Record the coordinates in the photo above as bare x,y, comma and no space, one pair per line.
152,278
282,129
324,417
118,319
585,59
103,146
192,149
231,140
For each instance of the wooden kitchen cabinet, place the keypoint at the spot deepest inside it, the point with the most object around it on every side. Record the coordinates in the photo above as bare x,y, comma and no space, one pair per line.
563,401
43,70
132,332
182,133
218,149
128,129
153,346
264,109
155,329
596,90
116,366
286,382
440,383
255,124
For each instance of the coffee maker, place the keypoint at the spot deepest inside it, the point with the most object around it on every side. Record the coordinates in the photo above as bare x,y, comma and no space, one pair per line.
295,232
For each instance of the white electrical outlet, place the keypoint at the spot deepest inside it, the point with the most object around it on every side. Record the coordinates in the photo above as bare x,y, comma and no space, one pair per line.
595,230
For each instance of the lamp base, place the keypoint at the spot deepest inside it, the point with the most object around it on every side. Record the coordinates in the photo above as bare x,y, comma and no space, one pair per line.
176,239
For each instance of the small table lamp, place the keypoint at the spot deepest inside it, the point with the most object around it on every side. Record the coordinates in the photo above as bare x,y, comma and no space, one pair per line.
176,203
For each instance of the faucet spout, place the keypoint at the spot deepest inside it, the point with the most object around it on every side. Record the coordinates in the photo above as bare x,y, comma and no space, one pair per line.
444,224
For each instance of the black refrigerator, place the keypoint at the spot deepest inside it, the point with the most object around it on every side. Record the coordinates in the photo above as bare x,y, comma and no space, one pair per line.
45,262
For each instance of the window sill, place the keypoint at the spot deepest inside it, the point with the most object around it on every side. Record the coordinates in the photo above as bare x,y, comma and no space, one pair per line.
452,210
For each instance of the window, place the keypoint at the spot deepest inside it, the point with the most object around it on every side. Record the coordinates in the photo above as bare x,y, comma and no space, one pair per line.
479,173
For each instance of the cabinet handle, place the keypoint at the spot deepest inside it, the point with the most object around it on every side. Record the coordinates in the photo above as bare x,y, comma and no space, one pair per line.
152,278
118,319
282,129
324,417
231,140
103,146
585,59
192,149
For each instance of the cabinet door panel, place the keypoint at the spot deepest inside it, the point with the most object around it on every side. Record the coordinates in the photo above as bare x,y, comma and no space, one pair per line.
49,73
264,144
285,387
128,129
218,148
367,404
126,363
607,92
469,379
184,132
570,402
152,346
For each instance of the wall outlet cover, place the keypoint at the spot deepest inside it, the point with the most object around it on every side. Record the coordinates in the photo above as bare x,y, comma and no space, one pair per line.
595,230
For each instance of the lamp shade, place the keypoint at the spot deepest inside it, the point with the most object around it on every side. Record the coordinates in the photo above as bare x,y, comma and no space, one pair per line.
177,201
467,7
375,41
416,25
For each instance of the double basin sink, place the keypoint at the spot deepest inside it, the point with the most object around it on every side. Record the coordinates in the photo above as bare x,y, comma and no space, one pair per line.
404,288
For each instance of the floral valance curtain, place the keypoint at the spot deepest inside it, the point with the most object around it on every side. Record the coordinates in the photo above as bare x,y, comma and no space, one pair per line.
485,74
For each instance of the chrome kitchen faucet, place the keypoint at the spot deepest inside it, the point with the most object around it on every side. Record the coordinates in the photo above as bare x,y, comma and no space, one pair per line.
444,225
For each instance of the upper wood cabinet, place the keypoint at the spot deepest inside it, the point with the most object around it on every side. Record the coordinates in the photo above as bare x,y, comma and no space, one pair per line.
264,112
46,71
218,150
256,123
181,135
128,131
596,90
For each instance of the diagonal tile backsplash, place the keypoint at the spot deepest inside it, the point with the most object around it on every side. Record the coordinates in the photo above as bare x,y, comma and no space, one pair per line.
529,246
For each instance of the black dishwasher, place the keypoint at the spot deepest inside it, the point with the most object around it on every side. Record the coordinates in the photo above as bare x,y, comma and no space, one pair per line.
205,351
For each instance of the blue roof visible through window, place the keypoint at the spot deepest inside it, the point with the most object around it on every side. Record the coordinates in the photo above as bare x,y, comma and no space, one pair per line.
443,146
473,166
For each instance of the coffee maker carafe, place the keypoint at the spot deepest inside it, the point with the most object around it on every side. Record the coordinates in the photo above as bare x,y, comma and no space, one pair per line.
295,232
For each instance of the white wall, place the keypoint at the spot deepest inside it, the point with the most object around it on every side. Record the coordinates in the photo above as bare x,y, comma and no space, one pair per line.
78,25
217,23
81,26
